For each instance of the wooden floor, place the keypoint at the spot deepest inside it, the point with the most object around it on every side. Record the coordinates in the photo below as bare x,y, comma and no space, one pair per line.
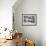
9,43
17,37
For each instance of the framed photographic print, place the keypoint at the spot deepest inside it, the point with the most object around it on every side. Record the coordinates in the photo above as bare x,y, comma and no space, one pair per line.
29,19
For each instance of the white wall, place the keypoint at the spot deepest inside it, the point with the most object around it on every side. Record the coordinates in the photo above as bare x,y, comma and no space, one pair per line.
28,7
43,22
6,13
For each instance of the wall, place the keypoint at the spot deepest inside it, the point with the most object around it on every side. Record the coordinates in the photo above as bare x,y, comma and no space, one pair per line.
6,13
43,22
28,7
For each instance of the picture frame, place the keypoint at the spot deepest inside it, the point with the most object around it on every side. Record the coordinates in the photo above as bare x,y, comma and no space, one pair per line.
29,19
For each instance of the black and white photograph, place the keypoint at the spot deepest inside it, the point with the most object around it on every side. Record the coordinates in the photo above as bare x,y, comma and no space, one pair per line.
29,19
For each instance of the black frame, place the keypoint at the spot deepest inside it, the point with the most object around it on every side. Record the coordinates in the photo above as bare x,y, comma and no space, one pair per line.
29,15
